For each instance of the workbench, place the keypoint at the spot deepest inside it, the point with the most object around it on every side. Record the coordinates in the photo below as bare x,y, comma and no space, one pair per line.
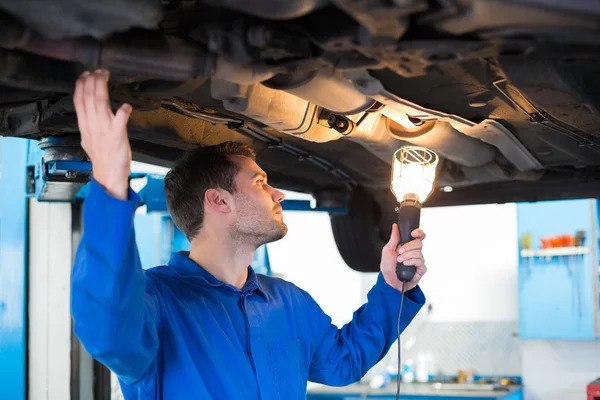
415,391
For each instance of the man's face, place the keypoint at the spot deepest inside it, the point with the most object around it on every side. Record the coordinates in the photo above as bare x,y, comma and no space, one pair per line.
258,215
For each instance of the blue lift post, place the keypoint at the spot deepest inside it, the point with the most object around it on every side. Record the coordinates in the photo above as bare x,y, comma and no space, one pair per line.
13,262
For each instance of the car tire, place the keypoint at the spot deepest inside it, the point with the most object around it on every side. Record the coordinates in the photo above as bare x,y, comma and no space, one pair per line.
358,234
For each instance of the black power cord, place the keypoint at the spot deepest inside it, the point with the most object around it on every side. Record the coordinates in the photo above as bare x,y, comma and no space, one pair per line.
399,344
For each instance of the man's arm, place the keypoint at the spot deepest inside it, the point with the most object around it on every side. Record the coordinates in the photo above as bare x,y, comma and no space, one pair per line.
343,356
115,312
113,305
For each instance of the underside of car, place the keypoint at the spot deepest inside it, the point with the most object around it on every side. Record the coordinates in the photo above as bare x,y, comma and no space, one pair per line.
505,92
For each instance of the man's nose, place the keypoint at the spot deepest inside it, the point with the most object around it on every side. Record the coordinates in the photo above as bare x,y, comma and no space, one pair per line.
277,195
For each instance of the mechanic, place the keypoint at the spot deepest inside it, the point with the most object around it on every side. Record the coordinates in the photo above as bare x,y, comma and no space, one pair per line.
205,326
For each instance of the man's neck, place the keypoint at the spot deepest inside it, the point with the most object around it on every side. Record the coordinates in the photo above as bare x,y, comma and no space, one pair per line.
226,261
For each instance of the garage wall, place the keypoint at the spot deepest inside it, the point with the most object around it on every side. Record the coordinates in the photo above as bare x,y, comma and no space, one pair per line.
471,253
559,370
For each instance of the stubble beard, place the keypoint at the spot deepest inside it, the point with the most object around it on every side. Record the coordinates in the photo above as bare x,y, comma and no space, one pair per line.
255,227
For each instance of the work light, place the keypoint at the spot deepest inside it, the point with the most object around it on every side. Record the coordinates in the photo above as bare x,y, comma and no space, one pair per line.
413,174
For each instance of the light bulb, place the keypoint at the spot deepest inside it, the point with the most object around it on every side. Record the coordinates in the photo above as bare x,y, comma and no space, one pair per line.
413,173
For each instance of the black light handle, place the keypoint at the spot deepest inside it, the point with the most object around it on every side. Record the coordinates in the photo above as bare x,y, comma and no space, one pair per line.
409,217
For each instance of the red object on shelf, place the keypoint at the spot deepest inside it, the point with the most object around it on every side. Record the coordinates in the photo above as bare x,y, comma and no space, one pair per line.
593,390
557,241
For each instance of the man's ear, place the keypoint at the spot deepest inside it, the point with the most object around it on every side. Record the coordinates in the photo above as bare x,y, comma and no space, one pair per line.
218,200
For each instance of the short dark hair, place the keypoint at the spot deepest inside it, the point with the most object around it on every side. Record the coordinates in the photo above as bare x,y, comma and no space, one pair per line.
198,170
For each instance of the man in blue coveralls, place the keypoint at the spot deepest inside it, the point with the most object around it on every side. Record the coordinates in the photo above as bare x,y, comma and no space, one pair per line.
205,326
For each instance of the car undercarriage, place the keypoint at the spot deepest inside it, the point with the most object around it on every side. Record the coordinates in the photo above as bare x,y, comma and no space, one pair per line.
505,92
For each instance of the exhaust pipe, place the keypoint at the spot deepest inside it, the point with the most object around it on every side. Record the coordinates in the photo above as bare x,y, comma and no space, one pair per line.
167,58
153,56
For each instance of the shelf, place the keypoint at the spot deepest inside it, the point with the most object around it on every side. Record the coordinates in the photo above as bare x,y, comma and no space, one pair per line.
555,251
